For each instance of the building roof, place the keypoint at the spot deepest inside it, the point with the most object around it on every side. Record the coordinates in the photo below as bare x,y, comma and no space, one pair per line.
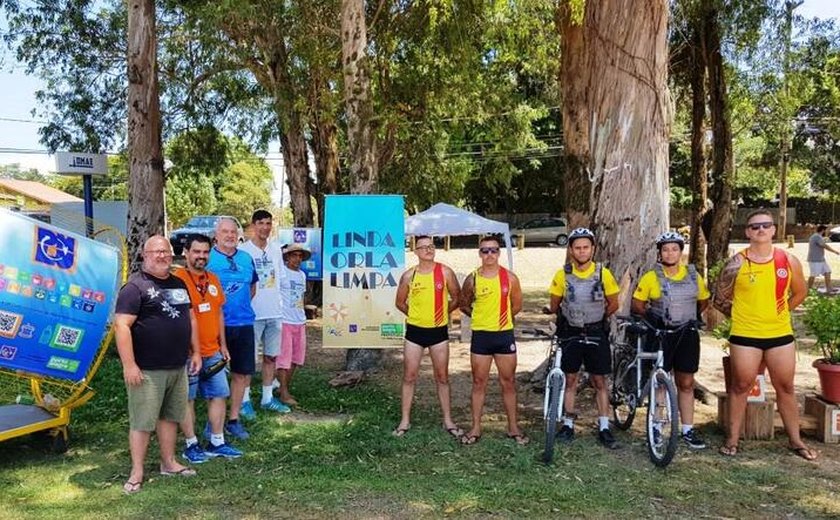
38,191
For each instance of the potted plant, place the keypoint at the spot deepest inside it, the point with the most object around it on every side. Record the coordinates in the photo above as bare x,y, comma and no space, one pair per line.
822,317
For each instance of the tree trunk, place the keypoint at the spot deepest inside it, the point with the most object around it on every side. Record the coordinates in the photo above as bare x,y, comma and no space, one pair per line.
722,169
146,214
699,177
616,118
324,142
361,135
296,163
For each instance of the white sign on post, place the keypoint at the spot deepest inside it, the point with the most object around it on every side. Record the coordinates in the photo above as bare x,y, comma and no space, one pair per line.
77,163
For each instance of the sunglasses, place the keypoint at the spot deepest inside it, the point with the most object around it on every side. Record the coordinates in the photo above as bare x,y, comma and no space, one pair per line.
232,265
488,250
760,225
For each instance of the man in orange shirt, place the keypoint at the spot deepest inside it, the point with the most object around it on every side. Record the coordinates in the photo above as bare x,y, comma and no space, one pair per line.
207,298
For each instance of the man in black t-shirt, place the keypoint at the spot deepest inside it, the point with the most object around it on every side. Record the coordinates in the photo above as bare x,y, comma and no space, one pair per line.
156,334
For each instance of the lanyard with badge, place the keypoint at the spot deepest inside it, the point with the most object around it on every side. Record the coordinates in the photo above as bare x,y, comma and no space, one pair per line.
202,291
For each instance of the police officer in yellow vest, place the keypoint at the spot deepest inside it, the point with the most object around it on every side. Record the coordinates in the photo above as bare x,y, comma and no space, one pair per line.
669,296
492,296
426,294
586,294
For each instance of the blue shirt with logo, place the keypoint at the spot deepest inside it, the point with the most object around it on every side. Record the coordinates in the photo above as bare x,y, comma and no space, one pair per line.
236,274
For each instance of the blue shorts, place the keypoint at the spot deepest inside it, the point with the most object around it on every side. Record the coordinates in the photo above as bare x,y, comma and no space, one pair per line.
212,388
240,344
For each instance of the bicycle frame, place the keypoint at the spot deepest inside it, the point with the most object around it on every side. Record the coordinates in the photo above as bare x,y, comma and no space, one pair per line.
556,354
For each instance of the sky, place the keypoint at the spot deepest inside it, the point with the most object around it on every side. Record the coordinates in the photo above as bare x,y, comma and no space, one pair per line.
19,132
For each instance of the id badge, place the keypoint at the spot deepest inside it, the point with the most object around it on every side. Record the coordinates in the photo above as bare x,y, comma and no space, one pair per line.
204,307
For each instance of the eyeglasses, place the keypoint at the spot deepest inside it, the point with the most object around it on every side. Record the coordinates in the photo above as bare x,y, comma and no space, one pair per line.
760,225
489,250
159,252
430,247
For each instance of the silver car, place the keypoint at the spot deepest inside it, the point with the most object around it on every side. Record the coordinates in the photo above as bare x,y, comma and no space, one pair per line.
199,225
543,230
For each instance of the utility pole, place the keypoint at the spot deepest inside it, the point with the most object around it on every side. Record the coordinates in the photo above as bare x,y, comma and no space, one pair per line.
786,131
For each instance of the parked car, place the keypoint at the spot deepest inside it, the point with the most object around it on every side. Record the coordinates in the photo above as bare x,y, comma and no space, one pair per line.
834,234
543,230
199,225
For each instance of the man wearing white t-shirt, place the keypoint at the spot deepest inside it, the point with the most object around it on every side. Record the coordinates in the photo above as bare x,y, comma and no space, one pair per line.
267,306
292,289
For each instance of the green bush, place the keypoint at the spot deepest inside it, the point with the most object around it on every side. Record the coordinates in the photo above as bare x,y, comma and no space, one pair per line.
822,317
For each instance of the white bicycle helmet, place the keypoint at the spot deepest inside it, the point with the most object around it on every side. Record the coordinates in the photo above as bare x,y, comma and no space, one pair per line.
581,232
670,237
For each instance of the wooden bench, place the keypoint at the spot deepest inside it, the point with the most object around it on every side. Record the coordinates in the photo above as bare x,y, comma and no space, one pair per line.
761,418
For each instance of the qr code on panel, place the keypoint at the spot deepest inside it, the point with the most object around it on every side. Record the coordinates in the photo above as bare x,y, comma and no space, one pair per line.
67,338
9,324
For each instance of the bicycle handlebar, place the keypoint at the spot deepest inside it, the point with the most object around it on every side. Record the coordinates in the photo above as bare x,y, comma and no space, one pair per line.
641,321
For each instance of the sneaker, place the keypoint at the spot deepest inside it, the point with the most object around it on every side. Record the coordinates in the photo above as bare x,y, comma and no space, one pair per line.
247,411
566,434
194,454
275,406
223,450
236,430
606,438
693,440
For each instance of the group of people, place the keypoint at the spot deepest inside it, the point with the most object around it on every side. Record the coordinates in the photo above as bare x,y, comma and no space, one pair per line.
759,287
209,315
228,299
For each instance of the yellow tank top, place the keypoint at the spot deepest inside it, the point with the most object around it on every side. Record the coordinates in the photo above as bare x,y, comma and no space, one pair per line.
491,308
756,310
428,302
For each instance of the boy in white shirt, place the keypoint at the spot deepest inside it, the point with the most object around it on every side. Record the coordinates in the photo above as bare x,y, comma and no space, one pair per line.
292,290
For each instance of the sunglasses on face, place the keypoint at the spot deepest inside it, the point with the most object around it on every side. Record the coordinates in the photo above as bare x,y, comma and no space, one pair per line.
488,250
760,225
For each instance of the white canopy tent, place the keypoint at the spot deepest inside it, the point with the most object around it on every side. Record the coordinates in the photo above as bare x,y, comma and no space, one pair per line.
443,219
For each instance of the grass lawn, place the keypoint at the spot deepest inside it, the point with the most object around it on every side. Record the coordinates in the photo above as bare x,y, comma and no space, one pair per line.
337,458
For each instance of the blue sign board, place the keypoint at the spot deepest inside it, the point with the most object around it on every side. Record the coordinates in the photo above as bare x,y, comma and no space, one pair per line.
57,294
310,238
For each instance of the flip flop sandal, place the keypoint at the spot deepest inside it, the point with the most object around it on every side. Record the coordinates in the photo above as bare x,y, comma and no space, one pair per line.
804,452
469,440
131,487
399,432
455,432
728,451
183,472
520,438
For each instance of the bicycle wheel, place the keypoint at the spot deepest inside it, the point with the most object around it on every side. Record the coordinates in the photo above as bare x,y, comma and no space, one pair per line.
662,426
623,395
555,396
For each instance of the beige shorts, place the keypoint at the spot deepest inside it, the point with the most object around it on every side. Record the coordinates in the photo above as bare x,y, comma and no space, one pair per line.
161,396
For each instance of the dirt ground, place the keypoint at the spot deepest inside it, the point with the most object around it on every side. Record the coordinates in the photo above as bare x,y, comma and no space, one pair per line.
535,267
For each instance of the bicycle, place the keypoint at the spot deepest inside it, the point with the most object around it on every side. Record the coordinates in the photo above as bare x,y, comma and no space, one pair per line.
630,390
555,385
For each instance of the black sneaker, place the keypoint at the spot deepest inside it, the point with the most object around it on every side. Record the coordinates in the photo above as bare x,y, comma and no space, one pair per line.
566,434
606,438
693,440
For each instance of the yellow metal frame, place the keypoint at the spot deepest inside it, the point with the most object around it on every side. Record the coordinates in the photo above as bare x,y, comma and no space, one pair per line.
79,392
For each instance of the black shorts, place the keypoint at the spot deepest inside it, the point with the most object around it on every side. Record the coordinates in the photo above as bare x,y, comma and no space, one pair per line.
240,344
761,343
596,360
681,351
426,337
489,343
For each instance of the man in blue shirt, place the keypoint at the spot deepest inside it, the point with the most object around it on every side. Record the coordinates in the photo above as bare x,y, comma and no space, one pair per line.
238,276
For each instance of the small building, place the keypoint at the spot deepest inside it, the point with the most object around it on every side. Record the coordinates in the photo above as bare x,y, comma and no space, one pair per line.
31,196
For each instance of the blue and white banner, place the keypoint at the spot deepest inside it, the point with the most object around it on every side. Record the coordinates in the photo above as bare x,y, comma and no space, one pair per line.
57,294
310,238
364,256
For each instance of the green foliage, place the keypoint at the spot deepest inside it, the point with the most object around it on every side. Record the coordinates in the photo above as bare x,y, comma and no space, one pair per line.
822,317
187,196
248,186
14,171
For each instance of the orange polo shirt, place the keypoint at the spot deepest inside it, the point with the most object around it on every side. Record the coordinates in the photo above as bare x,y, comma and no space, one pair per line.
207,298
